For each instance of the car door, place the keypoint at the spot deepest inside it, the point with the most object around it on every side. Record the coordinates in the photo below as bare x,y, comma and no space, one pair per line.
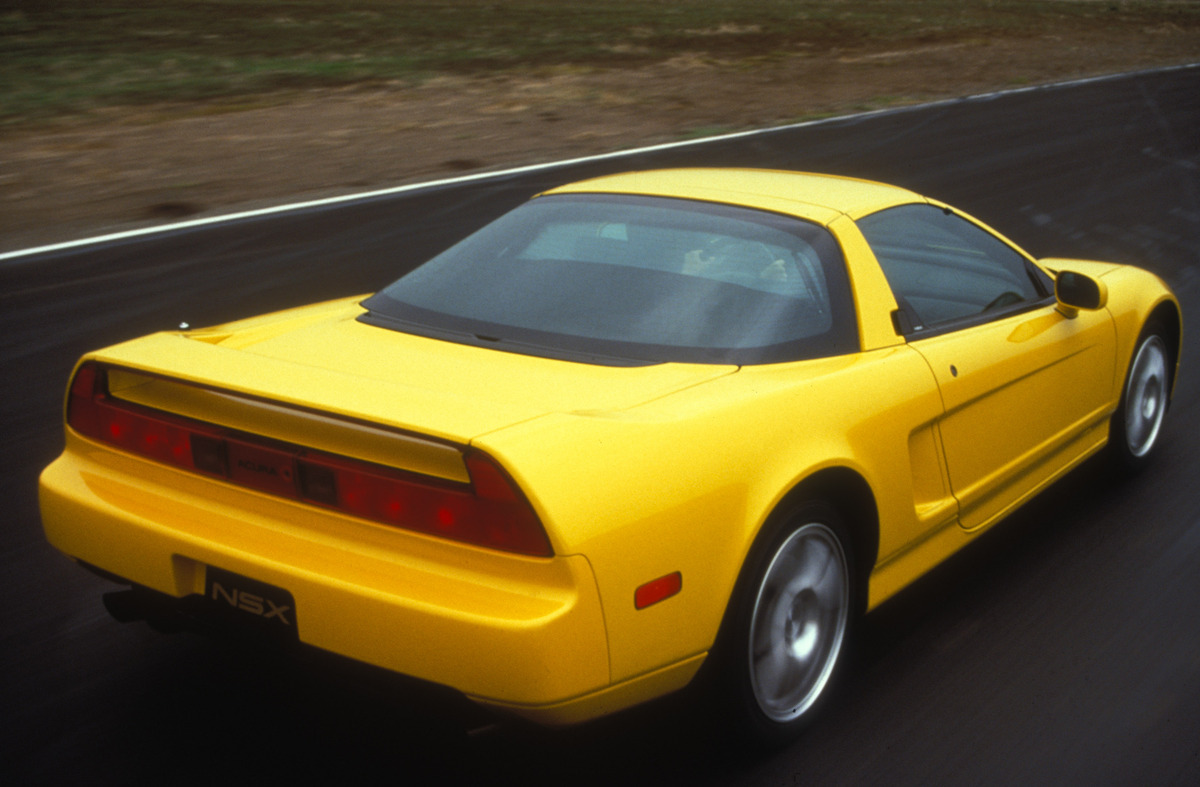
1024,386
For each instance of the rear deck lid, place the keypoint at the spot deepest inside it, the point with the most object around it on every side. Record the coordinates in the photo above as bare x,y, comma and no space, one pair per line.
323,359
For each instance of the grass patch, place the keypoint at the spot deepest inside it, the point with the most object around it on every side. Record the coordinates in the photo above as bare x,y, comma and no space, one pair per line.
703,132
59,57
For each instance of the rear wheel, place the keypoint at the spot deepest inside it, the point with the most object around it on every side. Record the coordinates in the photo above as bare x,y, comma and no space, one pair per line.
791,626
1136,424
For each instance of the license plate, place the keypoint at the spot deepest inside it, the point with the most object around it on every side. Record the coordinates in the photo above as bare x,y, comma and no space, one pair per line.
252,602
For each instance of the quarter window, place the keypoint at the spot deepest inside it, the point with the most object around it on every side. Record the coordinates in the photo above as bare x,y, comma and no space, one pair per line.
943,268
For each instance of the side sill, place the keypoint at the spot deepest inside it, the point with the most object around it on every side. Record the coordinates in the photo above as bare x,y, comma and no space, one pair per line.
620,696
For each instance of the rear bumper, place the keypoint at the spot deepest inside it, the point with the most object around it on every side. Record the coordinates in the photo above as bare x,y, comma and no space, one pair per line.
643,688
505,630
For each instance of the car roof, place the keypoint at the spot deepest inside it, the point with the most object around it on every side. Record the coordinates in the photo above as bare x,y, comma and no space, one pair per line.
820,198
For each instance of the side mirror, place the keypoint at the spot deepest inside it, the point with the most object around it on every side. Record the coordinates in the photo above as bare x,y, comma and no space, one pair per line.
1075,291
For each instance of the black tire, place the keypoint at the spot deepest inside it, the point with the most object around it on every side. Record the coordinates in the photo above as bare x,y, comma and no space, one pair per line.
789,630
1137,424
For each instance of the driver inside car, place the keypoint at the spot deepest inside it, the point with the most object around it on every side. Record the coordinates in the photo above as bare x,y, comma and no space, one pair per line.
730,259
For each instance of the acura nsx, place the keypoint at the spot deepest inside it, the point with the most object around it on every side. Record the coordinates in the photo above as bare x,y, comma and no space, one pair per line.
643,431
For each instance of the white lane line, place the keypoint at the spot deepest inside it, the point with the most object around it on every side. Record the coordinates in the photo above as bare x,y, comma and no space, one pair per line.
392,191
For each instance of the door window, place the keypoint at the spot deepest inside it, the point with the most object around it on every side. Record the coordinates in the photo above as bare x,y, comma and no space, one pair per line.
942,268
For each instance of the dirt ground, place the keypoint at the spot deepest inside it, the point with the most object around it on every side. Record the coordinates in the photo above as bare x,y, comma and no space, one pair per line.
124,168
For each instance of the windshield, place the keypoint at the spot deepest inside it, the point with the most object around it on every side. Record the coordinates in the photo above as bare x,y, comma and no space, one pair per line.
622,279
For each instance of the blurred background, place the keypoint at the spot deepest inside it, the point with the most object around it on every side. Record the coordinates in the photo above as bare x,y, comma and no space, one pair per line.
117,114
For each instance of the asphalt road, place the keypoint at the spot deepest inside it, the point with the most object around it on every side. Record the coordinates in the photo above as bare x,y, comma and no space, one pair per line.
1062,648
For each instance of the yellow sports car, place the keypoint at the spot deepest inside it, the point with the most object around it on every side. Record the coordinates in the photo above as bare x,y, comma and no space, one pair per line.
643,428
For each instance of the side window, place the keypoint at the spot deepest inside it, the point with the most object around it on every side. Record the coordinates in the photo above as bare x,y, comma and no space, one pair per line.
942,267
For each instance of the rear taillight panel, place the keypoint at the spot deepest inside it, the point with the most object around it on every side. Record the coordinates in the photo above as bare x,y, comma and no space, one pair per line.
490,511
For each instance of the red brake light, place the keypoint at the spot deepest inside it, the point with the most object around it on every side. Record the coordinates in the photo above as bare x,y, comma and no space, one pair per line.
490,511
503,515
87,387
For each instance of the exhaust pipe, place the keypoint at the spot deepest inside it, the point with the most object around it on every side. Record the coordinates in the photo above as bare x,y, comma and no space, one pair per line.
128,606
124,606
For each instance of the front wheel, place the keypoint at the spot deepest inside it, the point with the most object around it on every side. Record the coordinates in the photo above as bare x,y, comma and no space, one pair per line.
1138,420
791,626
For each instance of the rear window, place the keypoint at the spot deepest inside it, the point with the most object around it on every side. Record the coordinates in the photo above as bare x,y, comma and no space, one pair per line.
621,279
